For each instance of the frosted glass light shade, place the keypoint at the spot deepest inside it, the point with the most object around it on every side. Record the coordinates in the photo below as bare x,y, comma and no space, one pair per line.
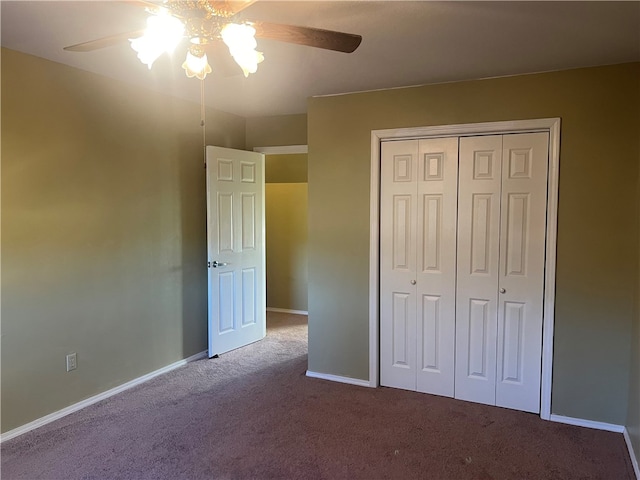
195,66
248,61
240,38
163,33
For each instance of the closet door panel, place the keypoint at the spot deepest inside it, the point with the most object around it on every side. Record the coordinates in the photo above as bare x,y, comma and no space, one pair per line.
521,282
436,264
478,258
398,218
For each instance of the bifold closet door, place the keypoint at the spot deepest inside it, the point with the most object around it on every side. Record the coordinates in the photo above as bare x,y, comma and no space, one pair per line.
398,219
500,271
521,281
417,264
477,273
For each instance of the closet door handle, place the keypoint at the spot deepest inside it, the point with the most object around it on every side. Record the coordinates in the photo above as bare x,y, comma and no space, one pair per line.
413,282
502,290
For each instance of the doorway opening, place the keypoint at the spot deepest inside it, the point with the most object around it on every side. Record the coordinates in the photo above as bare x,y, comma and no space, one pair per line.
286,193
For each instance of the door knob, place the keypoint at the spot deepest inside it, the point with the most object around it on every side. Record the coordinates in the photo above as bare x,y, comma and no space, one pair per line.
502,290
216,264
413,282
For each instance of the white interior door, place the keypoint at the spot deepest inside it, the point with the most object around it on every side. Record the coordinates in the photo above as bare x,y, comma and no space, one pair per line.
478,259
521,277
417,264
236,253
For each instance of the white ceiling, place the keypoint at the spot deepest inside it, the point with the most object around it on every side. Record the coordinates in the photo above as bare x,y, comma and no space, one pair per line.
404,43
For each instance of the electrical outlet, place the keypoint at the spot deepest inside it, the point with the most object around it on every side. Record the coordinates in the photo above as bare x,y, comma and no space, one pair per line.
72,362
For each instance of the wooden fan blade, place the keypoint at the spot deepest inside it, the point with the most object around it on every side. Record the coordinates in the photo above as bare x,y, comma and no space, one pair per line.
104,42
312,37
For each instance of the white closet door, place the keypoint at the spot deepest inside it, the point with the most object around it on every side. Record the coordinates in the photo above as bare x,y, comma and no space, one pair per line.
477,269
521,282
462,250
436,265
417,264
398,215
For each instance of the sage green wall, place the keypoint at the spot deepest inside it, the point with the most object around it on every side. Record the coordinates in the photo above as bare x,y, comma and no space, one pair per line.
287,243
597,254
276,131
287,168
104,240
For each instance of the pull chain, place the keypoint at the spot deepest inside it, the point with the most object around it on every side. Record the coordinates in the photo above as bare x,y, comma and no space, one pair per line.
202,122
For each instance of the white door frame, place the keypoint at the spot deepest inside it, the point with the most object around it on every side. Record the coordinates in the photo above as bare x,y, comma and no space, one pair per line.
550,125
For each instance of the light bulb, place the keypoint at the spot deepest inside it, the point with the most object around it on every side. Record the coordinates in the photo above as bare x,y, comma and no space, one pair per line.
162,34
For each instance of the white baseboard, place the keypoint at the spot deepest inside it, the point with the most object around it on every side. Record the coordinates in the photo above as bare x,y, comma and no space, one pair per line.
634,459
580,422
610,427
338,378
286,310
96,398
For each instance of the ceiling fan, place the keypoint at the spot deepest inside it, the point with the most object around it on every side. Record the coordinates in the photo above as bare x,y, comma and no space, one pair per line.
209,25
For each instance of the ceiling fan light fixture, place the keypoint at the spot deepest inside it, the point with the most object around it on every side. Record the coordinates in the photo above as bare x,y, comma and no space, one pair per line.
248,61
240,38
203,24
196,64
163,33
